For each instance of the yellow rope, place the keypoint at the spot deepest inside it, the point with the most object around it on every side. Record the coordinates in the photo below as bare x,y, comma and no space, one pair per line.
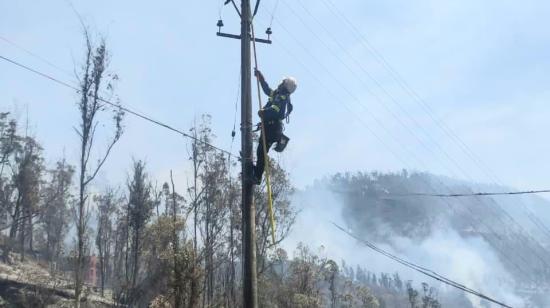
266,158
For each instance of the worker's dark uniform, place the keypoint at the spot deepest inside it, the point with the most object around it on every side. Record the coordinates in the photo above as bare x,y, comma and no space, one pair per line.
273,114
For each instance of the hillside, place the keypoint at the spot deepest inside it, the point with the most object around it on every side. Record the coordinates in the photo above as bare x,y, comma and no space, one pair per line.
495,244
30,283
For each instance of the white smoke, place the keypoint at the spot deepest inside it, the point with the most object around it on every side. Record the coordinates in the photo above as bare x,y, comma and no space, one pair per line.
469,261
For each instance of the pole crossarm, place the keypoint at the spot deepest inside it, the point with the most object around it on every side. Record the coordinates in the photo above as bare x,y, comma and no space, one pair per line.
238,37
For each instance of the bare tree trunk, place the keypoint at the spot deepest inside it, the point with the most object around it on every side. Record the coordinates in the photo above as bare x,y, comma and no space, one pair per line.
194,294
80,223
22,228
15,218
103,272
136,248
101,254
208,256
31,234
107,263
127,252
15,226
178,277
232,250
84,138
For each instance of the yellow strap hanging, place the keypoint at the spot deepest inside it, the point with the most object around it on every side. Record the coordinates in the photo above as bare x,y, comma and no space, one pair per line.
266,158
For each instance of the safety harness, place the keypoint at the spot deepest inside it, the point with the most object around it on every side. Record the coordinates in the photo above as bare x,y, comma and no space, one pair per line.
273,101
289,107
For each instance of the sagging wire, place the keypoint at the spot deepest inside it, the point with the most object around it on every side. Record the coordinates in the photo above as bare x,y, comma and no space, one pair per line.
233,132
273,13
422,270
116,105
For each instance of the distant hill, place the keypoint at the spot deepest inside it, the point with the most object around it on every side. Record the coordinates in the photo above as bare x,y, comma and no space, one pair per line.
378,207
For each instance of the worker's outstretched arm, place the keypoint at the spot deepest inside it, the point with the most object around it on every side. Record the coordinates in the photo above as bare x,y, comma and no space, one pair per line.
265,87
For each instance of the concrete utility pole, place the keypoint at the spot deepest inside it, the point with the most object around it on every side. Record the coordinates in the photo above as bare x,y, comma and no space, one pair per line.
250,283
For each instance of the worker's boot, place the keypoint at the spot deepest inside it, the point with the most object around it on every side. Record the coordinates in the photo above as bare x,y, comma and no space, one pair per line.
282,143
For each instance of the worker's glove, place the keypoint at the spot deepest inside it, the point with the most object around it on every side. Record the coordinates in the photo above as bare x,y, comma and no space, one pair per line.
261,113
258,74
258,127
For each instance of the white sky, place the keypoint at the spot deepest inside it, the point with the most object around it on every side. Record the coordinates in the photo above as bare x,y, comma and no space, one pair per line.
481,66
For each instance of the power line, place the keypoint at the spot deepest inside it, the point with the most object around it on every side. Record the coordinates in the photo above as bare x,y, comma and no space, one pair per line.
423,270
116,105
32,54
471,214
453,136
153,120
426,107
51,64
379,85
220,8
273,13
355,98
403,83
496,208
474,194
233,133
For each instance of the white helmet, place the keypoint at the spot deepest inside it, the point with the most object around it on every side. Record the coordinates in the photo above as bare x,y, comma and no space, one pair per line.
290,84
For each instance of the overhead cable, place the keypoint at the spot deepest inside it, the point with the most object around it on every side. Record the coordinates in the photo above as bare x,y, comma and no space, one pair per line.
423,270
32,54
273,13
116,105
393,114
382,141
474,194
416,98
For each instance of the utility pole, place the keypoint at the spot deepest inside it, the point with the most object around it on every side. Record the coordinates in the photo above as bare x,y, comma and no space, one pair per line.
250,283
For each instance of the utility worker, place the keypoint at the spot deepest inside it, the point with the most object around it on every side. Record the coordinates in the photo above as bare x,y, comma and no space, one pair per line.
277,108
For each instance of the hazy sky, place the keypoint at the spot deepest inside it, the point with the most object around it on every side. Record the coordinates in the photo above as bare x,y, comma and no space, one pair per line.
480,66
